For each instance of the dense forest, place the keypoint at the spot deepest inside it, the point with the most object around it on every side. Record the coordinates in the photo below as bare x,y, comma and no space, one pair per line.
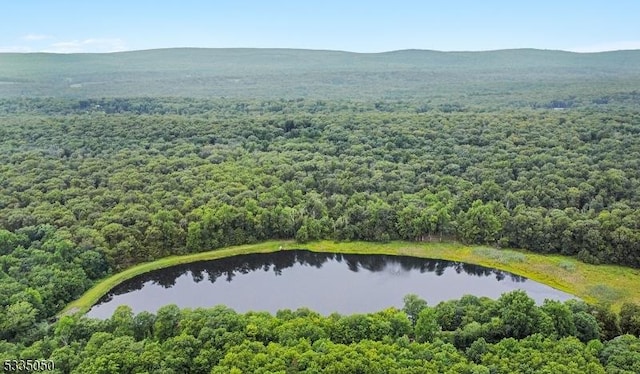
491,79
91,185
470,335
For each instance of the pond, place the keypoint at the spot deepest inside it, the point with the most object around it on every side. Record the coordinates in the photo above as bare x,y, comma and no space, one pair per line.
324,282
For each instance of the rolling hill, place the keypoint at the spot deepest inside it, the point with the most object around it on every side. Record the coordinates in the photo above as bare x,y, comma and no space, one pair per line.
522,76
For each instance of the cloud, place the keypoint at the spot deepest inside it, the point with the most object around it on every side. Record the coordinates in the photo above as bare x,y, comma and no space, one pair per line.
36,37
88,46
15,49
611,46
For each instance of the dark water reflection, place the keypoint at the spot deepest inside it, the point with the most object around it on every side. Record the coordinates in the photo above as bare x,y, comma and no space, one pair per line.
325,282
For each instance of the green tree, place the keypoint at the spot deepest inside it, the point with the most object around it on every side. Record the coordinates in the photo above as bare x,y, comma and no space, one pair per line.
180,352
586,327
122,321
621,354
630,319
426,326
167,321
476,350
413,305
17,318
519,314
481,223
608,321
562,317
449,314
64,328
9,241
143,325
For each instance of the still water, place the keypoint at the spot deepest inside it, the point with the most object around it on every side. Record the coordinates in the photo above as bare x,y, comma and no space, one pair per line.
324,282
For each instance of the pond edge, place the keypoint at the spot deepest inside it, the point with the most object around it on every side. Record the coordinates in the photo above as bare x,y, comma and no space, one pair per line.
563,273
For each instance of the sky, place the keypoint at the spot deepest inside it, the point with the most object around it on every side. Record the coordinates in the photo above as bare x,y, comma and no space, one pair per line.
92,26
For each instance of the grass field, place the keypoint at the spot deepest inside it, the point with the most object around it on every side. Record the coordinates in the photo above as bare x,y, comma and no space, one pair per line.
592,283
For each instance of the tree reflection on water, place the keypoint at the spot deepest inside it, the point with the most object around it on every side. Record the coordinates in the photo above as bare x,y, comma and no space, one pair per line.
228,268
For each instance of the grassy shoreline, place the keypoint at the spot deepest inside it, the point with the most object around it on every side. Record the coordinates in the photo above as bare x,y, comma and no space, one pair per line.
592,283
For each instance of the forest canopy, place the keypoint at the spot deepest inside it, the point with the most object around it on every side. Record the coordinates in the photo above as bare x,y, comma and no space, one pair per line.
469,335
94,189
98,173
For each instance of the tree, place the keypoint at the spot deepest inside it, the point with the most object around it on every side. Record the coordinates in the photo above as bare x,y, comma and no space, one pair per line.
527,228
303,235
115,355
409,225
180,352
586,327
449,315
399,322
519,314
195,237
481,223
413,305
476,350
9,241
167,322
93,263
630,319
293,330
17,319
561,316
426,326
143,325
64,328
608,321
621,354
66,358
122,321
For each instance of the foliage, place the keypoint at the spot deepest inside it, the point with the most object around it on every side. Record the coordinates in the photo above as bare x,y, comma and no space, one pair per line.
219,340
621,354
630,319
413,305
86,192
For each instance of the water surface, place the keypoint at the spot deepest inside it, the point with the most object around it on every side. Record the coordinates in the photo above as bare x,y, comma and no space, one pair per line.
324,282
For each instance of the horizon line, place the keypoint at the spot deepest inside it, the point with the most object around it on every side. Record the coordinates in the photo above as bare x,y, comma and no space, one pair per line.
318,50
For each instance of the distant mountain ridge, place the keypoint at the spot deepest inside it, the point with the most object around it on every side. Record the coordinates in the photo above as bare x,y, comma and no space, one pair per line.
246,72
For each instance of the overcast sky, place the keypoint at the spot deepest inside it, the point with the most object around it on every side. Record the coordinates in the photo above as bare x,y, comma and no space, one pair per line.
65,26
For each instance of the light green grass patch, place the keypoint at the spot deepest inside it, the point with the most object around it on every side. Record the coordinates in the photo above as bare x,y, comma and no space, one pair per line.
502,256
605,293
569,266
